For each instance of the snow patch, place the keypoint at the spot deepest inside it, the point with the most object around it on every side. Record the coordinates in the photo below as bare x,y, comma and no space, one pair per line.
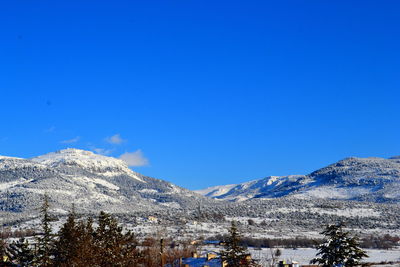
8,185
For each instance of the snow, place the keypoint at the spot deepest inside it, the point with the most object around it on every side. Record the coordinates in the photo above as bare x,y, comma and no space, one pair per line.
99,197
11,163
8,185
6,157
93,181
360,212
304,255
332,192
88,160
216,191
146,190
373,179
171,204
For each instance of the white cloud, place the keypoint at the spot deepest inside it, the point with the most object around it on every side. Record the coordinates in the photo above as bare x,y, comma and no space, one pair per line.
102,151
115,139
134,159
70,141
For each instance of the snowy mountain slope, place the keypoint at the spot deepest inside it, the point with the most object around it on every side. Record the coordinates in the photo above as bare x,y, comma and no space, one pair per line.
272,186
93,182
295,203
216,191
371,179
86,160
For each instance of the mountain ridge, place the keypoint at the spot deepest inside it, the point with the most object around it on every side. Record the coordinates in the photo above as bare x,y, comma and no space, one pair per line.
372,179
93,182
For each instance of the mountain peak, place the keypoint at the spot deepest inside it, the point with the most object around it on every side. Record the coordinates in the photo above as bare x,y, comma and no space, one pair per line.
5,157
373,179
94,182
74,151
72,157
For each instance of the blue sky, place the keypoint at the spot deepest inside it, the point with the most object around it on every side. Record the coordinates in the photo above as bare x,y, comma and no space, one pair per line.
202,92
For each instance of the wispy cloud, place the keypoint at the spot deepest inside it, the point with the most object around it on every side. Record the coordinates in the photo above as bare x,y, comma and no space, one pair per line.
115,139
71,141
135,159
102,151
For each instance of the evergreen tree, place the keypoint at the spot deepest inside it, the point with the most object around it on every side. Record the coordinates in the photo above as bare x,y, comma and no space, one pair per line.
22,252
67,243
339,248
4,253
85,248
113,247
234,254
45,240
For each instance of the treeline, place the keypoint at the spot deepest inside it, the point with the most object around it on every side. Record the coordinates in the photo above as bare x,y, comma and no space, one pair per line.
380,242
370,241
8,233
99,243
298,242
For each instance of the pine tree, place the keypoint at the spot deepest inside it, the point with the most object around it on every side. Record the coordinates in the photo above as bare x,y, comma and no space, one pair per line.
129,253
339,248
4,253
45,240
113,247
234,254
67,242
22,252
85,248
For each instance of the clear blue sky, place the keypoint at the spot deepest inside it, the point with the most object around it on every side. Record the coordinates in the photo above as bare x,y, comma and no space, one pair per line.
210,92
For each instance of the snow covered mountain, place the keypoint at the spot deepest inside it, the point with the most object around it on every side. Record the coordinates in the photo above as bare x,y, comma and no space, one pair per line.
86,160
93,182
369,179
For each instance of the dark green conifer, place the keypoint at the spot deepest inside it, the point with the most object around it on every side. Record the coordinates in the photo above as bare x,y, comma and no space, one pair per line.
234,254
339,248
22,253
5,256
67,242
45,242
85,248
113,247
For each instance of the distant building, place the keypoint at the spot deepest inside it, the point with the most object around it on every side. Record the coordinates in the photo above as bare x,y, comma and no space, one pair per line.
288,264
212,242
152,219
210,259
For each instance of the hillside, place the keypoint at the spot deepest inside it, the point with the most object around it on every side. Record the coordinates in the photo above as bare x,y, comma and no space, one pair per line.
297,204
93,182
364,179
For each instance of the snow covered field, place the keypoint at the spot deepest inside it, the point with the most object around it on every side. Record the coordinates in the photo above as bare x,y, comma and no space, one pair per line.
304,255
